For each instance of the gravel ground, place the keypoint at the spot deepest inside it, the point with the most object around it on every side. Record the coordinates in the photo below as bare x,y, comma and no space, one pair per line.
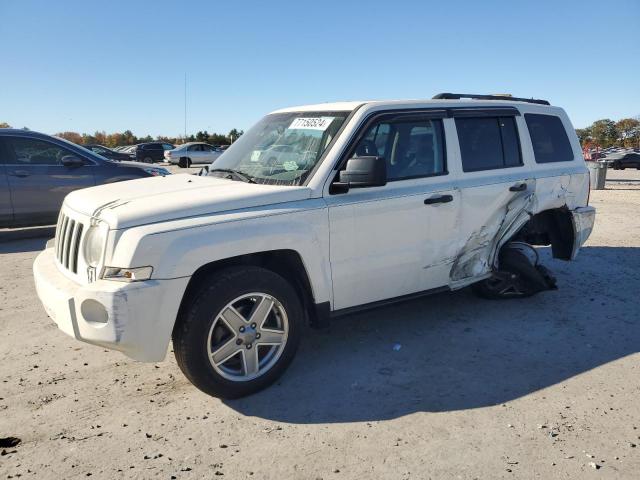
545,387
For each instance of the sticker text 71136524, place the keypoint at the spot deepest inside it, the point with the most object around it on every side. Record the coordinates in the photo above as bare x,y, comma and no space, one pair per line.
311,123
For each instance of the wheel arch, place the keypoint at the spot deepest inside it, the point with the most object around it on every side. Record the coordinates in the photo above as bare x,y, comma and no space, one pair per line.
285,262
553,227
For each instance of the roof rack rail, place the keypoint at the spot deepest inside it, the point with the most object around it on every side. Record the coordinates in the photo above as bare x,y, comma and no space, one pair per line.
458,96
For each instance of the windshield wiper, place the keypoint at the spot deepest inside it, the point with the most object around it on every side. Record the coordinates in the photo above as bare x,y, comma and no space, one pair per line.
242,176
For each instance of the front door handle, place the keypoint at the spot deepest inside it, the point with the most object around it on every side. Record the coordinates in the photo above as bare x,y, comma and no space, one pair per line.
521,187
19,173
438,199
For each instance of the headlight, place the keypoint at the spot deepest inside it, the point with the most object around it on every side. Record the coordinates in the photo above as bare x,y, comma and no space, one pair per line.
94,243
157,171
127,274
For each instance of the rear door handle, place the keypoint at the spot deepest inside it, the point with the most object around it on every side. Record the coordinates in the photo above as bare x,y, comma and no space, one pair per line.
19,173
438,199
518,188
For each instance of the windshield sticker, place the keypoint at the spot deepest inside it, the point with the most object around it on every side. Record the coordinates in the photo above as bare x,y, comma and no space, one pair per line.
311,123
290,165
255,155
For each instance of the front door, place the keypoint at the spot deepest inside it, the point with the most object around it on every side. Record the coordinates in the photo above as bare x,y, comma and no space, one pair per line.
38,181
398,239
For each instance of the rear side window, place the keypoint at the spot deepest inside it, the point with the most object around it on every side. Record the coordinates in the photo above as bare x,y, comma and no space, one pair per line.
549,138
487,143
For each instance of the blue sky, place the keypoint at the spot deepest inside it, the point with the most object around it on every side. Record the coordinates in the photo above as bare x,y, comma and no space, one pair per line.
116,65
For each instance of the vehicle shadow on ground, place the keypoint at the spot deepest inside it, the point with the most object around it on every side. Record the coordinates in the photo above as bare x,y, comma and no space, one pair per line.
459,352
14,240
26,245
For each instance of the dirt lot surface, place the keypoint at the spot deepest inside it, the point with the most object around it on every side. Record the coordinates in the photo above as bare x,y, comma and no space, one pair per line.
545,387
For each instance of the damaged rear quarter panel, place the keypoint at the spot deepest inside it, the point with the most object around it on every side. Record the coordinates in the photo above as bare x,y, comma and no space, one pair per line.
492,213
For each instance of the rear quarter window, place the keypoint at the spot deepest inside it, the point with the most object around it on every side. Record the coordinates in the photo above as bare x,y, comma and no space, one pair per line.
487,143
548,138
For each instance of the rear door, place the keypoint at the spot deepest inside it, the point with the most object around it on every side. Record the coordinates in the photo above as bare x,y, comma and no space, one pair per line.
38,181
6,208
195,153
157,151
496,185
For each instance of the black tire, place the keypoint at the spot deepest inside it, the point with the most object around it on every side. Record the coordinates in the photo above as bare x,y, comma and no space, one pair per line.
190,334
147,160
188,163
517,277
182,163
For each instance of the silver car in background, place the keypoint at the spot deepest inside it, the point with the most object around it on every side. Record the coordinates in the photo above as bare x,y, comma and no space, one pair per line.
192,153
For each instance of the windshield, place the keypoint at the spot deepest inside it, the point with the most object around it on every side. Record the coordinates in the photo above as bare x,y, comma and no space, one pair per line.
282,148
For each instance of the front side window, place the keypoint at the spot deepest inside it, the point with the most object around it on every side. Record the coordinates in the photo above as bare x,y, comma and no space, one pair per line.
549,138
282,148
487,143
28,151
412,148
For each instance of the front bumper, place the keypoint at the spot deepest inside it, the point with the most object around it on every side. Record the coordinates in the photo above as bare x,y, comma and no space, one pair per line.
139,315
583,219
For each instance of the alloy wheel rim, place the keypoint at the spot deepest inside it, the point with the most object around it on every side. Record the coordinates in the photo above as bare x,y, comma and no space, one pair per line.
504,284
247,337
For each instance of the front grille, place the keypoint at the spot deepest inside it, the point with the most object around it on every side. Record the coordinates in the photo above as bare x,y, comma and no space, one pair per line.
68,236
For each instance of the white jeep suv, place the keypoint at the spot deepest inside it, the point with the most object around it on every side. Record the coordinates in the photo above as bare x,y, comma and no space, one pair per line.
400,198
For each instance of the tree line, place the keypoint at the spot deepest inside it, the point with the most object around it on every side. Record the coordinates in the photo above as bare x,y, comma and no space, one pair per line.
607,133
603,133
128,138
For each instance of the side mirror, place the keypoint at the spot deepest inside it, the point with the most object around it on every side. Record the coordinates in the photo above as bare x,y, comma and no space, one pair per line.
204,171
71,161
362,172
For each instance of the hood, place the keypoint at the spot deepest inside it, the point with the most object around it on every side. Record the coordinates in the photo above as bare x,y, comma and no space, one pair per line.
157,199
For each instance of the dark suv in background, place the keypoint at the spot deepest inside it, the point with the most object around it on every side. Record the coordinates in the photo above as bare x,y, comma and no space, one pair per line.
151,152
37,171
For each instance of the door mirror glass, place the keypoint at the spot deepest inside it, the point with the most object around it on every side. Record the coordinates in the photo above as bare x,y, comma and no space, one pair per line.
362,172
71,161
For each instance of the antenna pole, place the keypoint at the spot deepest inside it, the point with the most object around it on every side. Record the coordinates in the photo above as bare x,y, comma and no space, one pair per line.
185,106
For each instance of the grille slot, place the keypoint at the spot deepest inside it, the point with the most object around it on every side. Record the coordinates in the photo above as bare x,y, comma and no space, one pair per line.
67,243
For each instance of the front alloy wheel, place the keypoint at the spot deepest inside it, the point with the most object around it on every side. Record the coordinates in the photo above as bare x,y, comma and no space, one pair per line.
247,337
238,331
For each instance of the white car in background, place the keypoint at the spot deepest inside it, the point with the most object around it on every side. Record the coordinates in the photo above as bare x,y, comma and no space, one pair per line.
192,153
